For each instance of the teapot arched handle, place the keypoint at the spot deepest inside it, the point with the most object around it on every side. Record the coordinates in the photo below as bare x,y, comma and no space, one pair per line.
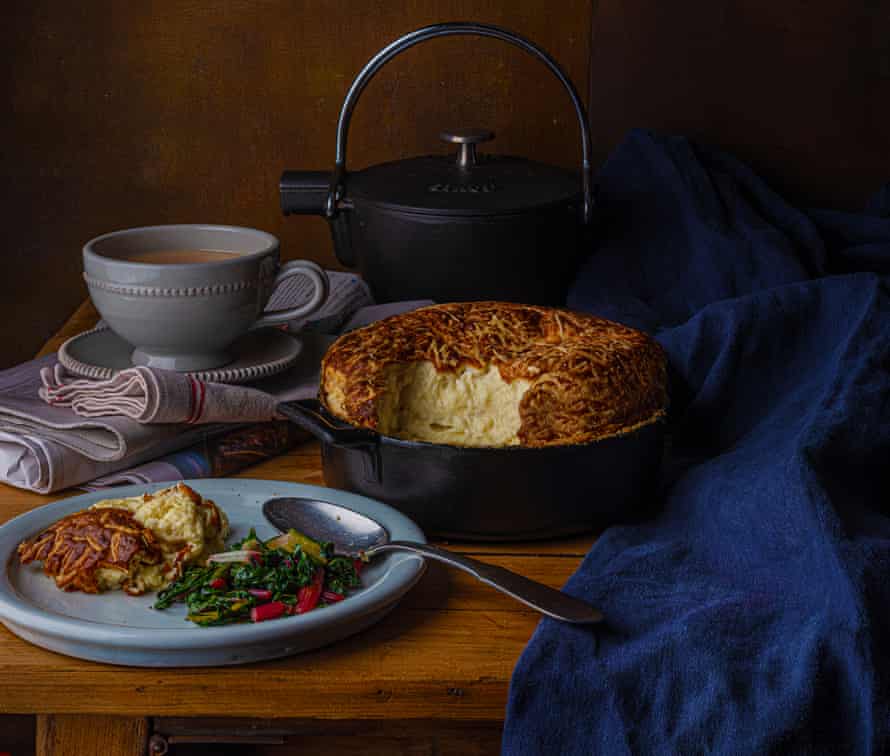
336,189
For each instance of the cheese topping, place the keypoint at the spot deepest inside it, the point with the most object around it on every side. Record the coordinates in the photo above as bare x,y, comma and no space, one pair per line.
495,374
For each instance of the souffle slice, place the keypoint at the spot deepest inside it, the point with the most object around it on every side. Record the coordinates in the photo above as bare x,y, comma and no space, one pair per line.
495,374
136,544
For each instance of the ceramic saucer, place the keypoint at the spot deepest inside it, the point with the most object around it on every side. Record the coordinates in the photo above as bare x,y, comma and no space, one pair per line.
100,353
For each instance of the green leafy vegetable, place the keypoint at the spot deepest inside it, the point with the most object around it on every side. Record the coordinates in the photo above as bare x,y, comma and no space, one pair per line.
266,573
340,575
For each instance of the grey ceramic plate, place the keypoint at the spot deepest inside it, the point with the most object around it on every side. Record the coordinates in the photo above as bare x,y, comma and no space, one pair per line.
100,353
121,629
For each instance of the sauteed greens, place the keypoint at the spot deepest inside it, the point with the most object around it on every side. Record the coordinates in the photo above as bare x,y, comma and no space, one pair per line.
257,581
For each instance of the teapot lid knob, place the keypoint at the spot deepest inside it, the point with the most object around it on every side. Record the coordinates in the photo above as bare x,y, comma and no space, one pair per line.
467,139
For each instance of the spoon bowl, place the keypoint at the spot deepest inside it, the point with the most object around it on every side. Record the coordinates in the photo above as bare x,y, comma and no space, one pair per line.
359,536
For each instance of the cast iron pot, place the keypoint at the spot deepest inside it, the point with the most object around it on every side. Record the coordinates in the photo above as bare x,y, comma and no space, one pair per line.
453,227
509,493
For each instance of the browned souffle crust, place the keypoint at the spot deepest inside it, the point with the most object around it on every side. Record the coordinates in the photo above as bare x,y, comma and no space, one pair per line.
589,377
75,547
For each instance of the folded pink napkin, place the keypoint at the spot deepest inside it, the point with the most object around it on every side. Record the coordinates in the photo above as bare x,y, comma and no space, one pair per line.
156,396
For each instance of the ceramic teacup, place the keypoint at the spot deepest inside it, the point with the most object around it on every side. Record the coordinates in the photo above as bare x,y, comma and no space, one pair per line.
181,294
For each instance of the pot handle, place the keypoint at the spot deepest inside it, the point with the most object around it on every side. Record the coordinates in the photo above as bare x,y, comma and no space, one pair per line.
336,190
309,415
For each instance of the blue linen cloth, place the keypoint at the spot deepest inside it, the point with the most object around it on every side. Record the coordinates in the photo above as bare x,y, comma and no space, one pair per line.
752,614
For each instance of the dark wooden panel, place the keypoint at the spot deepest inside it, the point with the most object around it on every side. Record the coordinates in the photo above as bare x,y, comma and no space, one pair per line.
121,114
305,736
17,734
799,89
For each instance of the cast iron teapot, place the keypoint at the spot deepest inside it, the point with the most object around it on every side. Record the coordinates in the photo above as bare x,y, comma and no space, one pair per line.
458,227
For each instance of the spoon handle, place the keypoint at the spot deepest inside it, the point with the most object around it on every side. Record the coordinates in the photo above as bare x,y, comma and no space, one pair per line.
538,596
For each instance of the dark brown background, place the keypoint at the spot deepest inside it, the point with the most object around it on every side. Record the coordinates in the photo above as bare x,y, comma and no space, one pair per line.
122,114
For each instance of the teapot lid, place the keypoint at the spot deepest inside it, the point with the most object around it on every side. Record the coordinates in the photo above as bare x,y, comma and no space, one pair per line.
465,184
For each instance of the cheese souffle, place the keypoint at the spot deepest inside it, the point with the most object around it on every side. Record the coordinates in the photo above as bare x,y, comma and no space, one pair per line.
494,374
135,544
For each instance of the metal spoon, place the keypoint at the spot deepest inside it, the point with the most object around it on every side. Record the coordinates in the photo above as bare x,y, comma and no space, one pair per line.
355,535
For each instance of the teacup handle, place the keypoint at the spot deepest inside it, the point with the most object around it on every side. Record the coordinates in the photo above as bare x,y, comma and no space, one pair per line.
290,269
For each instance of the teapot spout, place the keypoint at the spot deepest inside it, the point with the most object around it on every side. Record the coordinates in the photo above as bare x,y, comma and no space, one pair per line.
304,192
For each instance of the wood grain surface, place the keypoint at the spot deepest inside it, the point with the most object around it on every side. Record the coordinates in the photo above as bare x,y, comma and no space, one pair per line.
126,114
799,90
68,735
121,114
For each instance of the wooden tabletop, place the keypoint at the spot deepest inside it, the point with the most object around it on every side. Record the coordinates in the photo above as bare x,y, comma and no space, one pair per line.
446,652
